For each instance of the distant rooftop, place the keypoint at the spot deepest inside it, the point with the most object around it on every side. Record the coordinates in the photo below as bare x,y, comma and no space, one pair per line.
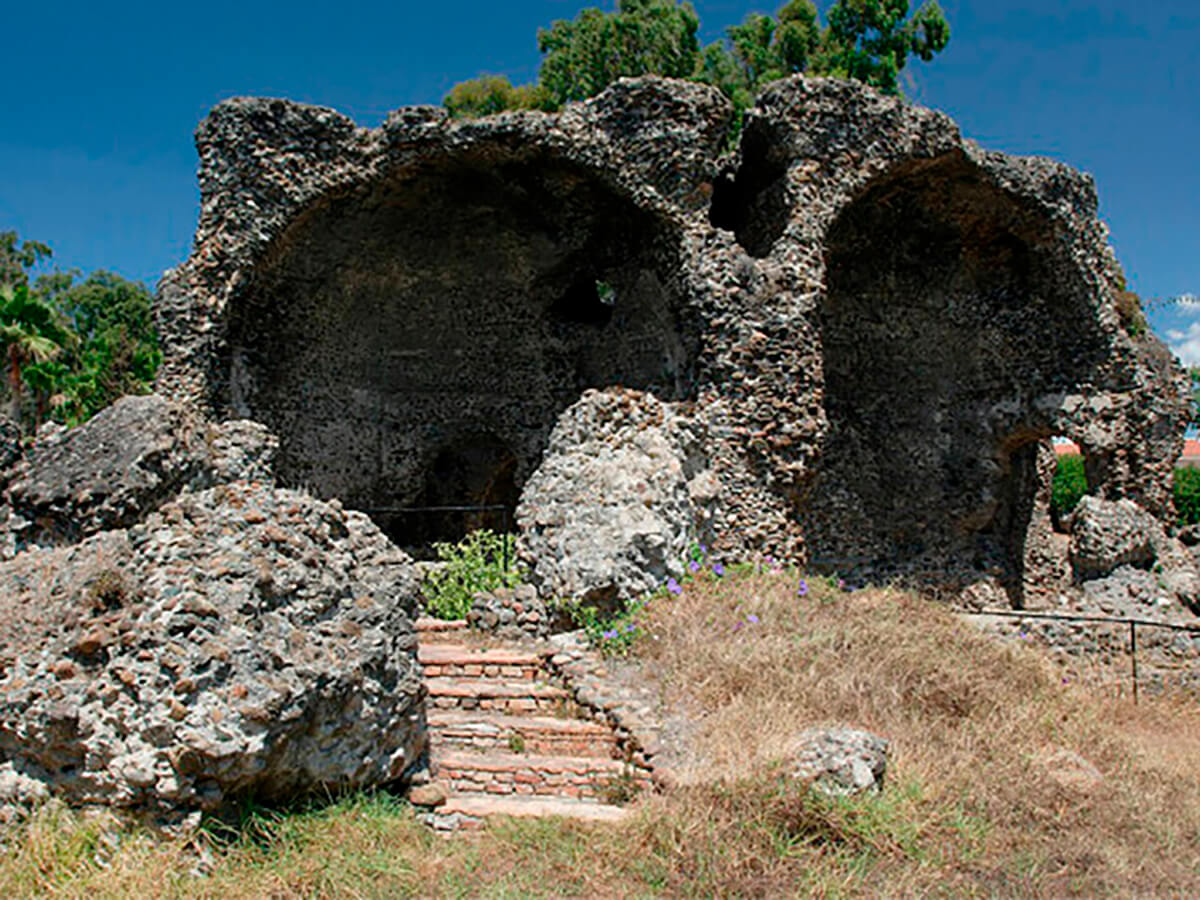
1190,456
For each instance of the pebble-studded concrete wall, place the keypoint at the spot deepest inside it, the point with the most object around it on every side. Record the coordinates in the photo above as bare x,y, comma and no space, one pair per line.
877,323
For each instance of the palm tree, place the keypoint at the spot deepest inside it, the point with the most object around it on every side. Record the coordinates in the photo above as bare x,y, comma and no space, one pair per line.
29,334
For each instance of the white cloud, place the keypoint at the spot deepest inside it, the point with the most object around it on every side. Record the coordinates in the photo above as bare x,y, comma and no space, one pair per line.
1189,300
1186,344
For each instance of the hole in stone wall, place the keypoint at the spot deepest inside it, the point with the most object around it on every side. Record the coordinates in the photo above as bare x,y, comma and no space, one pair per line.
945,316
413,342
588,301
752,201
1069,484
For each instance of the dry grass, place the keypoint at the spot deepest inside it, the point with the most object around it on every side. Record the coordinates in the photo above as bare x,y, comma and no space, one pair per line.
981,799
981,787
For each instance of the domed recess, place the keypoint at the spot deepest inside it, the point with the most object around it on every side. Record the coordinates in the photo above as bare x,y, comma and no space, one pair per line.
947,315
413,342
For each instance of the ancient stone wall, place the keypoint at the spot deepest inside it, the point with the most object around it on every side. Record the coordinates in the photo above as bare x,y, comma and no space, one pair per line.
877,325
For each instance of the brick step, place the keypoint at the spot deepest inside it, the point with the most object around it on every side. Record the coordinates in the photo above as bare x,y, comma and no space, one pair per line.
541,735
583,778
493,694
460,661
472,810
431,629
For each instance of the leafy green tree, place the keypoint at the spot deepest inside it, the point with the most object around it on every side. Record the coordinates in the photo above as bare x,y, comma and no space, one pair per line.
16,259
70,347
797,37
867,40
586,54
870,40
30,334
115,351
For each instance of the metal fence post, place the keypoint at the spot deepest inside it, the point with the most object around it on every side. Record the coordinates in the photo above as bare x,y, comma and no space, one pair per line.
1133,658
505,527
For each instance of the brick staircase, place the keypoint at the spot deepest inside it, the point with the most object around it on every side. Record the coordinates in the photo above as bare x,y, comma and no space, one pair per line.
508,736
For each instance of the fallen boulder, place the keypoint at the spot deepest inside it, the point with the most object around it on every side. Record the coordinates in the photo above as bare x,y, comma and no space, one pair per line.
242,640
108,473
620,493
1108,534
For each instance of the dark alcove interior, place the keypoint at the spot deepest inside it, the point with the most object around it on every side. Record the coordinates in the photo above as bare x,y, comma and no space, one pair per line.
413,342
945,317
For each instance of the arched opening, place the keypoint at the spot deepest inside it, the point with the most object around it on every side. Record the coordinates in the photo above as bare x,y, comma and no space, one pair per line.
946,318
752,200
414,341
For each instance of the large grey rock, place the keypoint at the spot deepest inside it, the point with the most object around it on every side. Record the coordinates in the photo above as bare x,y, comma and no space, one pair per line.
242,640
1124,558
107,473
1107,534
622,490
840,761
123,464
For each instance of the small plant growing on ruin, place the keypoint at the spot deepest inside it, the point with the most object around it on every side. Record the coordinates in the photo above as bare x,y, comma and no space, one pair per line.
107,591
620,789
474,564
516,742
612,635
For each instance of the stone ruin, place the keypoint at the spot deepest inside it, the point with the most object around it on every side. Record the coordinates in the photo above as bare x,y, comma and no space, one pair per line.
847,341
853,339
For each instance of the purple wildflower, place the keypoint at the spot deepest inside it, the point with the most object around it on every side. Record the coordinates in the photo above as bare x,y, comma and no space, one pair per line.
752,619
610,634
703,549
674,586
718,569
802,588
737,626
630,627
694,566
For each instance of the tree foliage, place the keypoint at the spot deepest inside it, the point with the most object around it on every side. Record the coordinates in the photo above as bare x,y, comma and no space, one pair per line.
870,40
30,334
866,40
115,348
491,94
71,347
583,56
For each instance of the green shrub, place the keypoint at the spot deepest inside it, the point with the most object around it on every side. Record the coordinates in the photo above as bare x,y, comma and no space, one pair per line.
1070,484
491,94
474,564
1187,495
612,635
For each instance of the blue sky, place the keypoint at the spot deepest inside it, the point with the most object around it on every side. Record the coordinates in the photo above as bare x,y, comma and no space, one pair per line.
96,153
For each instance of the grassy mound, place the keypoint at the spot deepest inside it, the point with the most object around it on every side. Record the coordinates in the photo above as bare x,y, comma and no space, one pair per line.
989,791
